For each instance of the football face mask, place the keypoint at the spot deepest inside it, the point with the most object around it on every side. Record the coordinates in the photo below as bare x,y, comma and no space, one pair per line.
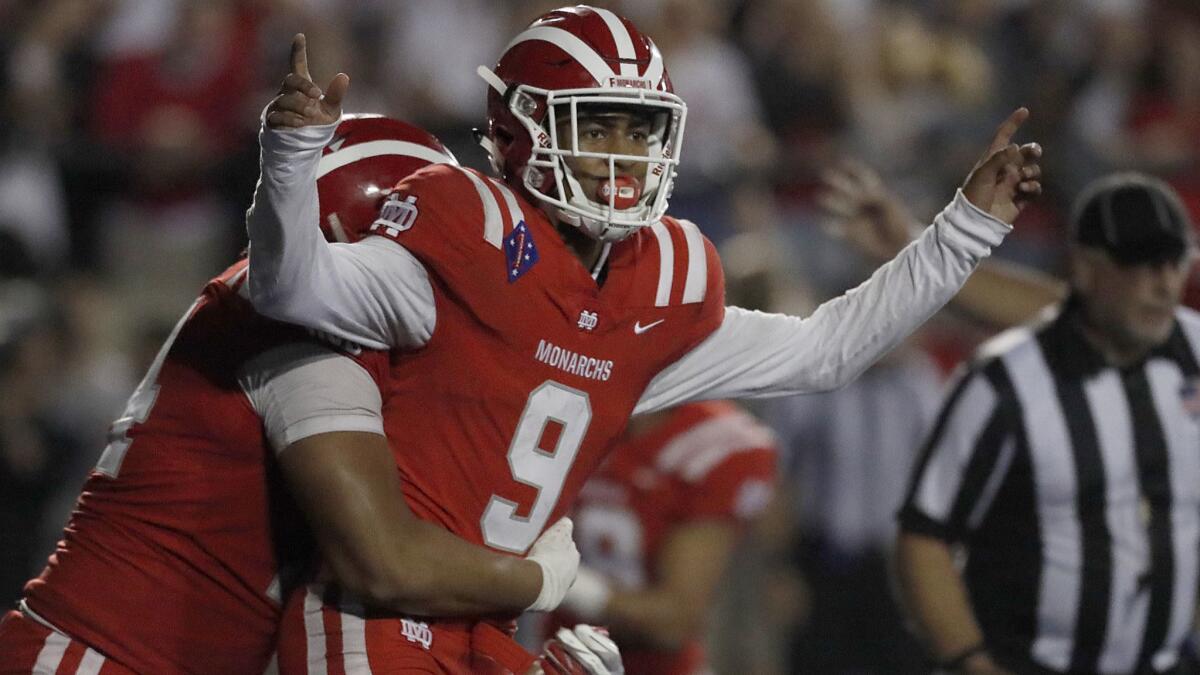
605,160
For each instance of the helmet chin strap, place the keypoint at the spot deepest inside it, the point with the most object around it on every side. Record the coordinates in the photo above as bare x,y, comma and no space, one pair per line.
493,153
484,141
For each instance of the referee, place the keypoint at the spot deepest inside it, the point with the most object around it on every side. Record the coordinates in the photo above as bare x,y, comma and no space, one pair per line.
1066,466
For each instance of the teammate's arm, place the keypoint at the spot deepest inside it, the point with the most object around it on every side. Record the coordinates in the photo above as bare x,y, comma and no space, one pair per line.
321,411
672,610
1006,294
755,354
872,219
347,485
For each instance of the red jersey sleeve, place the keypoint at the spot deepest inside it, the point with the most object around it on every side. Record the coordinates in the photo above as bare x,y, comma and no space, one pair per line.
730,465
454,220
259,333
682,281
432,213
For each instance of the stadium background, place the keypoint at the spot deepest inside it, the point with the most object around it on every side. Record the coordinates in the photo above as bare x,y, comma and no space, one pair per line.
128,155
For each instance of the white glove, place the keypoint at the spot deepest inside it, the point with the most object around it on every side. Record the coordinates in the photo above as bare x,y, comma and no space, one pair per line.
555,552
588,596
585,647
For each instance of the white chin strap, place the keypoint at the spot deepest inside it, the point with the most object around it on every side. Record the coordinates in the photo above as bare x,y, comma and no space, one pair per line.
488,145
492,79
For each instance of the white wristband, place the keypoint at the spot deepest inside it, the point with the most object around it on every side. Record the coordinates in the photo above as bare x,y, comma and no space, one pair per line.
555,553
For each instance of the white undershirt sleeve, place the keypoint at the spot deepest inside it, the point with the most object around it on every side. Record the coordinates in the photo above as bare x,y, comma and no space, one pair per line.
755,354
300,390
373,293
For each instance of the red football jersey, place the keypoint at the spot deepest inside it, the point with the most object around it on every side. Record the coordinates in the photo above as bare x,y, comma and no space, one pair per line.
171,561
703,461
530,375
533,367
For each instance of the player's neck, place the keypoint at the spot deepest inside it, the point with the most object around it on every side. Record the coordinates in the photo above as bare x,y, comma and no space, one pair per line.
586,249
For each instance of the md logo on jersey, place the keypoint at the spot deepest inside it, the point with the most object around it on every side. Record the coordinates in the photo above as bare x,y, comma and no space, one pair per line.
588,320
396,215
519,251
418,632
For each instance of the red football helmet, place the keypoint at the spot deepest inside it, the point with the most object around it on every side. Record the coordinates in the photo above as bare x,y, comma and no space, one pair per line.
565,60
368,155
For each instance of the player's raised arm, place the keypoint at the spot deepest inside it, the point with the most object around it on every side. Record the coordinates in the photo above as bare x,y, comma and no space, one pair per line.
300,102
869,217
757,354
377,296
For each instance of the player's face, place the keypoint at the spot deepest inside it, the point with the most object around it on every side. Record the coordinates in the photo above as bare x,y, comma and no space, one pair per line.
1133,305
616,132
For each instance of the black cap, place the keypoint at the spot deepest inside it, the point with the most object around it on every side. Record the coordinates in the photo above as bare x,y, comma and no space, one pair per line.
1134,217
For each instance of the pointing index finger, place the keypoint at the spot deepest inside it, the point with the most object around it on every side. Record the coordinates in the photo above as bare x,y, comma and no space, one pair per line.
1007,129
300,56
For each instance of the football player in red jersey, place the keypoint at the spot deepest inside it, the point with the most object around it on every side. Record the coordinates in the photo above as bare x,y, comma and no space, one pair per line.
656,527
183,540
535,312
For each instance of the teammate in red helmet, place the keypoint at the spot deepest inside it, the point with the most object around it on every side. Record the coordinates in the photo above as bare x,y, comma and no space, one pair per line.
187,536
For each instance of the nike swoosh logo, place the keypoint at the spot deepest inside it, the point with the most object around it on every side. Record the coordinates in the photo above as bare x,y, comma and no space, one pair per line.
638,328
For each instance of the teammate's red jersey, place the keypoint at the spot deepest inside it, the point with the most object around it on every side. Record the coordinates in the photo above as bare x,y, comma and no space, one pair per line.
533,367
171,561
705,461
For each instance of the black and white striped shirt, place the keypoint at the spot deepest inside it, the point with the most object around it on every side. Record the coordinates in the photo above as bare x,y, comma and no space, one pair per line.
1075,488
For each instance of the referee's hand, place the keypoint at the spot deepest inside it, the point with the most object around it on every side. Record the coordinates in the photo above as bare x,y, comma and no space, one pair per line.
1006,177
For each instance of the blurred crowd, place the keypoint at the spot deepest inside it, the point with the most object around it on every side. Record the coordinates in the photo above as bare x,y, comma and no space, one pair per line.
128,156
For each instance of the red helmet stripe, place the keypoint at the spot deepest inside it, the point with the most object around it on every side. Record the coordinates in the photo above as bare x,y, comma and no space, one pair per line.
353,153
572,45
621,39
